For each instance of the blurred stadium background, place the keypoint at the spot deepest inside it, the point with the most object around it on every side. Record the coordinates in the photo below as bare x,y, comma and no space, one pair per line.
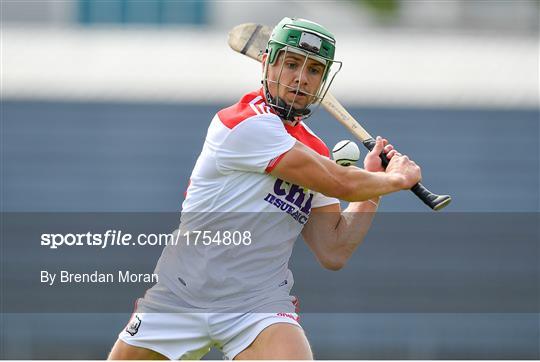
105,104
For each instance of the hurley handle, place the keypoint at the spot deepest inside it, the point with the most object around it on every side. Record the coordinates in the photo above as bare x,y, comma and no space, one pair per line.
434,201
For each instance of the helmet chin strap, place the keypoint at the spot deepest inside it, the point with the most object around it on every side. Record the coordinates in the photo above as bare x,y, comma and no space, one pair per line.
285,111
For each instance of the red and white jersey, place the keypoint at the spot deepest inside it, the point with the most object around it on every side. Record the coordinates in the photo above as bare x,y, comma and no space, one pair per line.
231,190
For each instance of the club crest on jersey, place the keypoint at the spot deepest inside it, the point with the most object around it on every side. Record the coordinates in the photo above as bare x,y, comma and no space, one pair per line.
134,324
292,199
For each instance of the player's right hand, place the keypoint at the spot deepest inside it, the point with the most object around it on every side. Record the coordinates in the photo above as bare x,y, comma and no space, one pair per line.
408,171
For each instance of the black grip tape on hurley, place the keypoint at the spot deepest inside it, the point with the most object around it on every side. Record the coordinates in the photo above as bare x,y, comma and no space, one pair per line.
434,201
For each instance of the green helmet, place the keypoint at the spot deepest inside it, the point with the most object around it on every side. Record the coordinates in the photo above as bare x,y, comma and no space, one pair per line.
301,34
313,41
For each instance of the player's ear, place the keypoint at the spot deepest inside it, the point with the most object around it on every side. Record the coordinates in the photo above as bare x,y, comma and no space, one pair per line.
264,57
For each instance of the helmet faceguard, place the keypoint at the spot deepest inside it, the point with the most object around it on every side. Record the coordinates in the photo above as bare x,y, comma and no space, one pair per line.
311,41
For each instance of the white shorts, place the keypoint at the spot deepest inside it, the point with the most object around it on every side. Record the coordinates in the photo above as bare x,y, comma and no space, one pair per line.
160,323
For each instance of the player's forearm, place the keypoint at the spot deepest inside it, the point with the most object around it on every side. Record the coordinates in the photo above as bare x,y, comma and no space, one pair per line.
302,166
362,185
334,236
352,228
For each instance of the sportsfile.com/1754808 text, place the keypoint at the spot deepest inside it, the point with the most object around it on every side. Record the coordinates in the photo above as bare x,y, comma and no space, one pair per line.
112,238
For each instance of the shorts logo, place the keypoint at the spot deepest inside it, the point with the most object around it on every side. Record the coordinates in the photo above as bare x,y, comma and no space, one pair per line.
133,326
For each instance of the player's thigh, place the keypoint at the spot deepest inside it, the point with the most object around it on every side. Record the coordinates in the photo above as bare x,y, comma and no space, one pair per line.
123,351
278,341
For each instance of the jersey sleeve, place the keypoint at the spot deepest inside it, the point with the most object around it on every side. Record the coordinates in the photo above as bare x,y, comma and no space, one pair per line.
253,145
320,200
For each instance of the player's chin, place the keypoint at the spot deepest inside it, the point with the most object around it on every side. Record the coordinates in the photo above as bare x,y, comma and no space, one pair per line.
299,102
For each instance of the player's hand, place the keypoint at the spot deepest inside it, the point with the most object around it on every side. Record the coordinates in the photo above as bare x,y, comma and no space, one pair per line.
372,161
408,172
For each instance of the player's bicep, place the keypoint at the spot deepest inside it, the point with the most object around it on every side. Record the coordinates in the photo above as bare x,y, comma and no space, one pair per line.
302,166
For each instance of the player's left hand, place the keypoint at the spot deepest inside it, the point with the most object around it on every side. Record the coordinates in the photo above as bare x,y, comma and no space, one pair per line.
372,161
